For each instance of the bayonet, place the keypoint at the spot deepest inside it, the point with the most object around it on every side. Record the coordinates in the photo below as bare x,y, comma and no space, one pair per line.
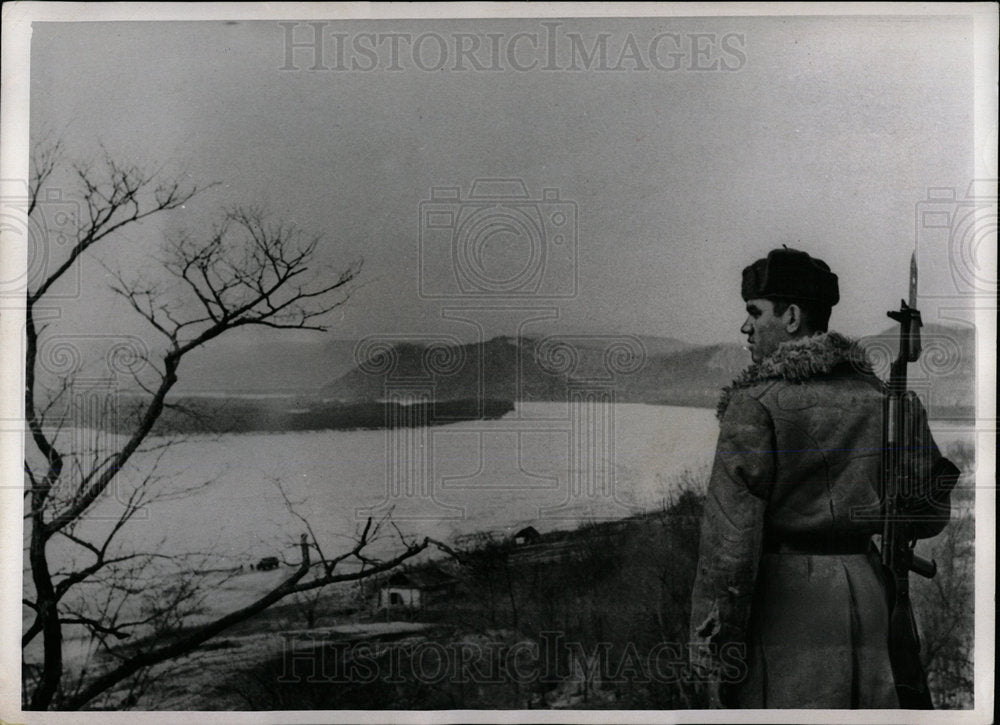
908,317
915,322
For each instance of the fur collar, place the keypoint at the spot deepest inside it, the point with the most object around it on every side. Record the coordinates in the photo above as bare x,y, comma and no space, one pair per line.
798,361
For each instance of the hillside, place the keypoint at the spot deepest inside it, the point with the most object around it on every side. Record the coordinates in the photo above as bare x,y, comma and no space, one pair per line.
530,369
527,369
692,377
577,618
310,372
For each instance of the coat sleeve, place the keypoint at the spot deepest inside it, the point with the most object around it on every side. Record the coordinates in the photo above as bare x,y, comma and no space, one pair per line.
730,542
927,500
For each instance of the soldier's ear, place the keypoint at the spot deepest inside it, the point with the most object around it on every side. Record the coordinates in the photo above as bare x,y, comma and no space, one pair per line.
793,319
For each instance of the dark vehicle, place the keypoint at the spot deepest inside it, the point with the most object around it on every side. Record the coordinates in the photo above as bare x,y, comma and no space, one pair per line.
267,563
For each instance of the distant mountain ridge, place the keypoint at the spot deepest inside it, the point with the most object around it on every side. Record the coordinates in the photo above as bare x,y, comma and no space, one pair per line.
248,368
636,369
504,368
673,372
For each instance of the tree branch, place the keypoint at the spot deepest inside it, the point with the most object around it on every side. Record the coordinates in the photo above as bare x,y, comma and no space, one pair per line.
249,271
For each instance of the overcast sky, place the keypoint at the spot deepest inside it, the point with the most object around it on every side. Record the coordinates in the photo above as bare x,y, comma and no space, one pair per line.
822,133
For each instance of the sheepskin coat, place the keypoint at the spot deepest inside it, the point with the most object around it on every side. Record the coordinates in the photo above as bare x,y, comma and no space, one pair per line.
789,606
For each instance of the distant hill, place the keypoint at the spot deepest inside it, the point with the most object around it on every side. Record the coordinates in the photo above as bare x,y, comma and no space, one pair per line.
525,368
691,377
652,344
656,346
503,368
307,381
673,373
517,368
302,367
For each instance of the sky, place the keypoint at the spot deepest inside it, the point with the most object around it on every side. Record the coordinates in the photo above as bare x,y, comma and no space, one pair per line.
822,133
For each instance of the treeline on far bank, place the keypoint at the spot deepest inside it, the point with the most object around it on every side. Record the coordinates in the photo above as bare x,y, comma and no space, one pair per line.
245,415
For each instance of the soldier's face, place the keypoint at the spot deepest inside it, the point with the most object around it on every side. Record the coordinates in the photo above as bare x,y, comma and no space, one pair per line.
764,330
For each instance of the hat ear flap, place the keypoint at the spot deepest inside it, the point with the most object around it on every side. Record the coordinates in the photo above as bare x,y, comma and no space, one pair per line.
754,279
830,288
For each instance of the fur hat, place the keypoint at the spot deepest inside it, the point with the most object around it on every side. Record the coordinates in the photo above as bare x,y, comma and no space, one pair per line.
791,274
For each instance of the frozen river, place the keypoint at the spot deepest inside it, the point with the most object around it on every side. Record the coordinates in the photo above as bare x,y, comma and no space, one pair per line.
552,465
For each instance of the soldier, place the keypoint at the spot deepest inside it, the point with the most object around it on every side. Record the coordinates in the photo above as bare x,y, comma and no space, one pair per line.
789,606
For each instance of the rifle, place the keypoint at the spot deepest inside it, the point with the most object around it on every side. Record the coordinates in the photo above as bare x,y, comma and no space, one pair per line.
898,539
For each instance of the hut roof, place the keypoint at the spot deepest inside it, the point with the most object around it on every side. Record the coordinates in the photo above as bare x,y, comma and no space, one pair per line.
423,578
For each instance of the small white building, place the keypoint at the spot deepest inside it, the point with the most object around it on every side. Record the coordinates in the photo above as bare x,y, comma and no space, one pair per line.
526,536
415,588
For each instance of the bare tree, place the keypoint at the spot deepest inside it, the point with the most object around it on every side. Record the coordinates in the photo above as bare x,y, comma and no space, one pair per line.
246,271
